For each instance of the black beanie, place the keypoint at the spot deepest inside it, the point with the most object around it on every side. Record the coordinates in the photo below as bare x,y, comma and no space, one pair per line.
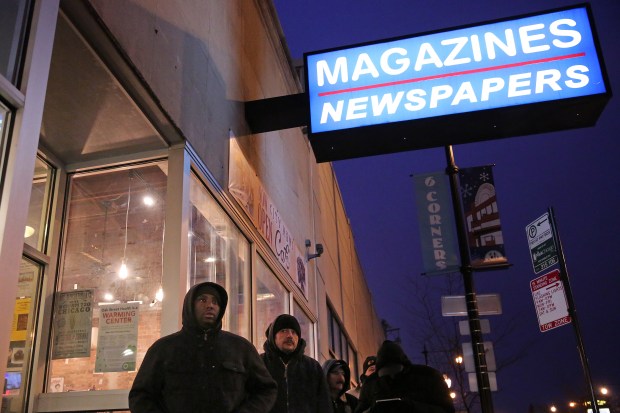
208,289
286,321
370,361
390,353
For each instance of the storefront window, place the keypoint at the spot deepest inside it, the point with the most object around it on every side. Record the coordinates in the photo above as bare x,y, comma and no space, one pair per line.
307,328
219,253
272,299
4,115
22,336
107,309
353,364
12,24
38,211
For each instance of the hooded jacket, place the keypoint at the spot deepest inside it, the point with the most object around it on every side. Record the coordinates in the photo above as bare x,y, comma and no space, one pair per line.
202,371
420,388
301,385
339,405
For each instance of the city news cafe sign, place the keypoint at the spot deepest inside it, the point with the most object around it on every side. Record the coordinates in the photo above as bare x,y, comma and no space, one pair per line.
531,74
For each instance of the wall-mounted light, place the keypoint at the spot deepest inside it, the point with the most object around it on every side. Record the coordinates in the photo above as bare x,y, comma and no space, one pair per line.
319,250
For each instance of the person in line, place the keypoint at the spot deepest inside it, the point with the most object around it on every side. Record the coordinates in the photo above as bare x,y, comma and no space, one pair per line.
338,376
369,367
301,385
398,386
202,368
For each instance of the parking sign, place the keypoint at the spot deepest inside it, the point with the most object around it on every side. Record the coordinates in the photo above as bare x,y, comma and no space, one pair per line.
542,246
550,301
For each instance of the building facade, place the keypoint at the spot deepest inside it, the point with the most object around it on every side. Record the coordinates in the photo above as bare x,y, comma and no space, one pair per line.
129,173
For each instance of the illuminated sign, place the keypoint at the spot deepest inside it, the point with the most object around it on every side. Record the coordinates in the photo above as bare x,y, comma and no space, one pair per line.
536,59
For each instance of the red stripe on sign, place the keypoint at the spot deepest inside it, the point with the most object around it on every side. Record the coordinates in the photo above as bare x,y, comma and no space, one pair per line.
464,72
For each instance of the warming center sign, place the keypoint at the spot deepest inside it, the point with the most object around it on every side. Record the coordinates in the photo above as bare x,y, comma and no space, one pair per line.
539,58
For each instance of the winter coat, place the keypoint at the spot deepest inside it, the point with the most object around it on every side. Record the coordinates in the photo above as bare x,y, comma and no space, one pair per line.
422,389
349,404
301,384
202,371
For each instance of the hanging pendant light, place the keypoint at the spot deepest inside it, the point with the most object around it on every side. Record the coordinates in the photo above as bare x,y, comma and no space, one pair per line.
159,295
123,271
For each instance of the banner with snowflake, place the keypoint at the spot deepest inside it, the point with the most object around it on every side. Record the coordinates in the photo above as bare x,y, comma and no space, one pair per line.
484,231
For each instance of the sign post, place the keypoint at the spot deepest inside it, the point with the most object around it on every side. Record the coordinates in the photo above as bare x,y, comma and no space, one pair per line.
467,270
572,312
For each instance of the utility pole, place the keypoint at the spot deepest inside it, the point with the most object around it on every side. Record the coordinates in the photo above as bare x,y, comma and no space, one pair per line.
482,374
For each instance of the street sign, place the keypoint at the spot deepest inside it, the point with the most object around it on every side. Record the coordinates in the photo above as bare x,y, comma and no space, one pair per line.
542,245
456,306
550,301
468,356
473,381
485,327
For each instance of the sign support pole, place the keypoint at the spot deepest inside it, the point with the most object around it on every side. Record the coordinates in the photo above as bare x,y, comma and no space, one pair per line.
482,374
572,311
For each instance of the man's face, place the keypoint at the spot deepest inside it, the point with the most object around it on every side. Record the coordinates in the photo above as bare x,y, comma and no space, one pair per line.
286,340
336,379
206,310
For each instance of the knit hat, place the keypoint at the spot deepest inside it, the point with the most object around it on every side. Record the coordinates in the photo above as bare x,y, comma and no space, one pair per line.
390,353
286,321
208,289
370,361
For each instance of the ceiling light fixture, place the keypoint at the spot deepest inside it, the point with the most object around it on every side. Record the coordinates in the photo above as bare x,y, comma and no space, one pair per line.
28,232
148,200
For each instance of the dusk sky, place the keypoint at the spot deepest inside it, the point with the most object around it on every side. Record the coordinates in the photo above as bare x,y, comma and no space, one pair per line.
573,171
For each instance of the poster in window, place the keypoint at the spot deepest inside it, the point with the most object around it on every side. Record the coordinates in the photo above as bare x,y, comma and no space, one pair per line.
73,324
57,385
117,341
19,328
26,284
17,355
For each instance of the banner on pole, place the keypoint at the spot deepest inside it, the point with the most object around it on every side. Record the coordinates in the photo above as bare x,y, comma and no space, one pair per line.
484,232
436,223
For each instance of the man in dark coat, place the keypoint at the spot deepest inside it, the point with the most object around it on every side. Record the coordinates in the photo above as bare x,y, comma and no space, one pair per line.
338,376
202,369
400,386
301,384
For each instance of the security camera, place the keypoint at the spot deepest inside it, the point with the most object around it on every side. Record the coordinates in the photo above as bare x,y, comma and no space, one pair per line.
319,249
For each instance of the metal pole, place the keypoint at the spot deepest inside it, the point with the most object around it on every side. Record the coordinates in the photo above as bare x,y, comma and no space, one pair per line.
482,375
572,311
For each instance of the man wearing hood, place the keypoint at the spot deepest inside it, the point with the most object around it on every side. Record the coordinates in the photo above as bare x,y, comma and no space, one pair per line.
369,367
338,376
400,386
202,369
301,384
